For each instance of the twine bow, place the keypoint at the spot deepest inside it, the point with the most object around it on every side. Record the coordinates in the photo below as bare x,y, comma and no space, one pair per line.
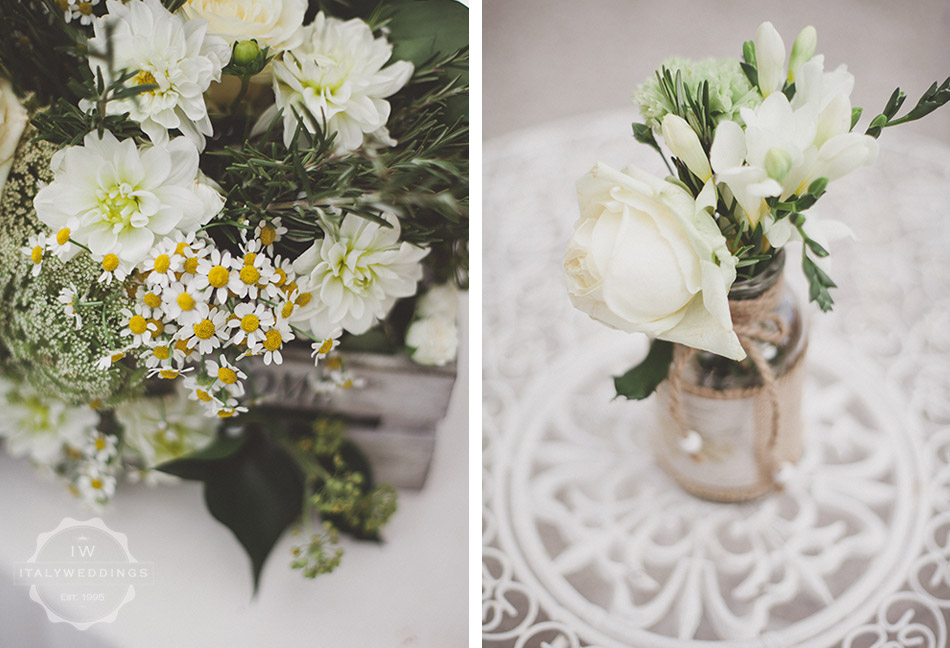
754,322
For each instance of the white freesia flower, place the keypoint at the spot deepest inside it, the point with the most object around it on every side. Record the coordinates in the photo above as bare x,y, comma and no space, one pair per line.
276,23
177,56
119,199
816,145
355,277
769,58
684,143
434,341
802,50
13,119
647,257
38,427
337,75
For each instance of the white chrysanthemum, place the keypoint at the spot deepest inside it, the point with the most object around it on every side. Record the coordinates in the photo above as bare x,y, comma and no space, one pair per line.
39,427
276,23
177,56
121,198
161,429
354,278
337,75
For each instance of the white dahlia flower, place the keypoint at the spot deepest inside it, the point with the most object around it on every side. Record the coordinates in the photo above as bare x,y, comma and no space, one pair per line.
119,199
337,75
354,278
175,55
276,23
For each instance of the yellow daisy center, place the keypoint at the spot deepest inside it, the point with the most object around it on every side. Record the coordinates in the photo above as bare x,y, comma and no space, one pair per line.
227,376
273,340
152,300
158,326
281,277
110,262
117,356
162,263
168,374
180,248
182,345
204,329
249,258
268,235
191,265
250,323
137,324
100,443
226,413
289,288
161,352
326,346
96,483
62,236
250,275
218,276
287,310
303,299
185,301
36,256
202,395
85,8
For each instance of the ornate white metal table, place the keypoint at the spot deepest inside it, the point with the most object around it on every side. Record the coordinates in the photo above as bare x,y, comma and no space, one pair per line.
588,543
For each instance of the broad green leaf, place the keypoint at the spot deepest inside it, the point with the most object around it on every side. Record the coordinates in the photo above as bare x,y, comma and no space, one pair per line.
642,380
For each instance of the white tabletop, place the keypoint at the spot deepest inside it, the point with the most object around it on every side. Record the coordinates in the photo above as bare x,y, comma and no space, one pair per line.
588,543
409,591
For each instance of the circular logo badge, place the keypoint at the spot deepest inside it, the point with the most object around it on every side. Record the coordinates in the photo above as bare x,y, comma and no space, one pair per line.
82,573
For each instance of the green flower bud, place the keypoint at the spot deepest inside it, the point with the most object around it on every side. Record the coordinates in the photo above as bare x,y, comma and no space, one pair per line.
778,162
245,52
802,50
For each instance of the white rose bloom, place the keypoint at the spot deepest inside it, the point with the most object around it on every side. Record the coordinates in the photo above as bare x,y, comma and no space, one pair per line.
276,23
439,301
175,55
433,340
13,119
354,278
38,427
646,257
337,74
119,199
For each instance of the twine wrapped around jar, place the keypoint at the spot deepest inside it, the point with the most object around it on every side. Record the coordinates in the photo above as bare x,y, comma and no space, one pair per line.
726,426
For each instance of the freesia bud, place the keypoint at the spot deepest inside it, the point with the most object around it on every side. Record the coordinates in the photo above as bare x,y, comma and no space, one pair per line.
802,50
770,58
684,143
778,162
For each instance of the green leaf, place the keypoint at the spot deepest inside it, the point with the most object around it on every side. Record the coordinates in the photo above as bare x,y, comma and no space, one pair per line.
253,487
818,284
421,29
642,380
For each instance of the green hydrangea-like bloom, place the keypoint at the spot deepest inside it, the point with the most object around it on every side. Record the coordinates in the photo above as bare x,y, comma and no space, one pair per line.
729,89
38,340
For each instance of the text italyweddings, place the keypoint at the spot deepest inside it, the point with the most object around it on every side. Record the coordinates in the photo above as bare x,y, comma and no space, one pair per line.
96,572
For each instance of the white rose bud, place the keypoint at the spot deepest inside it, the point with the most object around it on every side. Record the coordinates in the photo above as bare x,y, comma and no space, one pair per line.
684,143
13,118
434,341
802,50
647,257
770,58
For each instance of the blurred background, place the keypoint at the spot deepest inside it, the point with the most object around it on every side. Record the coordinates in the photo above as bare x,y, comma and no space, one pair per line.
550,59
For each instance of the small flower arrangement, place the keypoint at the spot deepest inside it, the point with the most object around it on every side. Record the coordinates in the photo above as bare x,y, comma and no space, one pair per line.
189,189
755,143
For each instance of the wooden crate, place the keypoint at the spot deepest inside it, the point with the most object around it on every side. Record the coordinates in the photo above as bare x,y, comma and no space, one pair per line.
392,416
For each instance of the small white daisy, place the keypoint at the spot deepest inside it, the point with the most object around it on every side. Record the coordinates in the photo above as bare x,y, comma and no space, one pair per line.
229,408
162,265
208,330
274,339
67,297
106,361
95,486
254,272
100,447
214,274
158,355
269,233
228,374
60,246
250,320
35,250
114,268
168,373
180,302
283,277
137,325
322,348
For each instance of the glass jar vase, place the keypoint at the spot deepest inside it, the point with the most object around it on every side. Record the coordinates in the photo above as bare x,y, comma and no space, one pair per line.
725,428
